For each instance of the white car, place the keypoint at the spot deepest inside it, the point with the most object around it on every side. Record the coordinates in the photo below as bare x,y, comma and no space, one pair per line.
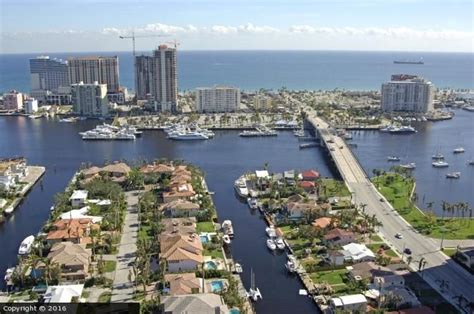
398,236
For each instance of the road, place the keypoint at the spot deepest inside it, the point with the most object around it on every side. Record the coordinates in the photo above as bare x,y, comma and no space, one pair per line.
441,272
123,289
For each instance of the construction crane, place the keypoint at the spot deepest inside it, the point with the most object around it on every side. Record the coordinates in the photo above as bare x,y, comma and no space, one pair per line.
174,43
133,36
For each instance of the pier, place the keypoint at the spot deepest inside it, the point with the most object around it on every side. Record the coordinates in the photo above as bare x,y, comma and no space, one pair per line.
439,267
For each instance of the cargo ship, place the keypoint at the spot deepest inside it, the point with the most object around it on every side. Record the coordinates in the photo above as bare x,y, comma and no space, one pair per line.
409,62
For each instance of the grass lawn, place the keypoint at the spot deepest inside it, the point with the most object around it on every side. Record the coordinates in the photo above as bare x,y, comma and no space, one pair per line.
333,188
205,226
286,229
144,232
105,297
333,277
376,238
216,253
110,266
396,190
390,253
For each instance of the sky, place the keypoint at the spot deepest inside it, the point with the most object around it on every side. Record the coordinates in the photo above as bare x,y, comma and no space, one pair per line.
42,26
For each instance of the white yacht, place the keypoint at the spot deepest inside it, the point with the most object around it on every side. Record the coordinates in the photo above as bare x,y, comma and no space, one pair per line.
240,186
8,274
187,136
347,136
291,264
271,244
226,239
398,129
453,175
25,246
238,268
252,202
253,293
280,244
227,228
271,232
458,150
393,158
440,164
410,166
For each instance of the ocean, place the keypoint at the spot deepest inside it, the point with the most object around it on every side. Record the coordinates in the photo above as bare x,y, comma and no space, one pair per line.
300,70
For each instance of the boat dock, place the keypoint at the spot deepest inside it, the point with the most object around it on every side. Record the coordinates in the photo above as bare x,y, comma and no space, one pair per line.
34,174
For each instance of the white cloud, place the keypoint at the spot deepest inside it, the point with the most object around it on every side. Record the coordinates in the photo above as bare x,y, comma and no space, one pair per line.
395,32
220,29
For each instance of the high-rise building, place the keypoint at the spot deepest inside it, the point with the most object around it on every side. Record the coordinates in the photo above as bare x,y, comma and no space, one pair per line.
156,78
13,100
262,102
48,74
90,99
217,99
31,105
104,70
407,93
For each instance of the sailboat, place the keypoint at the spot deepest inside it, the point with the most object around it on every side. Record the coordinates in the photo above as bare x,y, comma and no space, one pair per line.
253,293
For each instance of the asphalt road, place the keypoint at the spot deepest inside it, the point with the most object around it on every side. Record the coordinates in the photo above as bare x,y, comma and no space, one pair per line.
442,273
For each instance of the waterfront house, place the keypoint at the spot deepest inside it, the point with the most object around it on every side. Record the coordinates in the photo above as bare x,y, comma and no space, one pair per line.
296,211
358,252
80,214
174,226
73,259
180,208
181,252
367,271
322,223
160,169
184,191
466,257
74,230
12,171
117,171
291,176
78,198
203,303
183,283
91,172
310,175
352,303
63,293
338,236
308,186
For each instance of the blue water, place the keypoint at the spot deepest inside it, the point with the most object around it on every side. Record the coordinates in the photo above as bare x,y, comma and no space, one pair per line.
204,239
252,70
210,265
217,286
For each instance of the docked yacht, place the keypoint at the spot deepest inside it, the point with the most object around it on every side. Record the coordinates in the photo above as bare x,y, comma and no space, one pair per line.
453,175
399,129
238,268
291,264
409,166
253,293
240,186
187,136
8,275
440,164
252,202
458,150
226,239
227,228
271,244
259,131
347,136
280,244
25,246
393,158
437,156
271,232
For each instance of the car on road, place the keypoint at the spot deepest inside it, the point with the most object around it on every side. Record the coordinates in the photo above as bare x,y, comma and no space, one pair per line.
332,149
398,236
382,199
407,251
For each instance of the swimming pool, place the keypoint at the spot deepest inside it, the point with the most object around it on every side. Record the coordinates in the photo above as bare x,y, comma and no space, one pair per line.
210,265
217,286
204,239
234,311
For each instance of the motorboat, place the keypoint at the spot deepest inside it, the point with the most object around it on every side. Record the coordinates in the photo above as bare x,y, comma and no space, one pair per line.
440,164
453,175
270,232
259,131
187,136
291,264
109,132
271,244
393,158
458,150
68,120
347,136
227,228
226,239
25,246
470,162
280,244
8,274
299,133
437,156
398,129
409,166
252,202
240,186
238,268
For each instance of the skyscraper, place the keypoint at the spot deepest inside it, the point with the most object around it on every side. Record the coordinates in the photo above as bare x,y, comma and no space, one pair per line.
157,76
90,99
48,74
407,93
104,70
